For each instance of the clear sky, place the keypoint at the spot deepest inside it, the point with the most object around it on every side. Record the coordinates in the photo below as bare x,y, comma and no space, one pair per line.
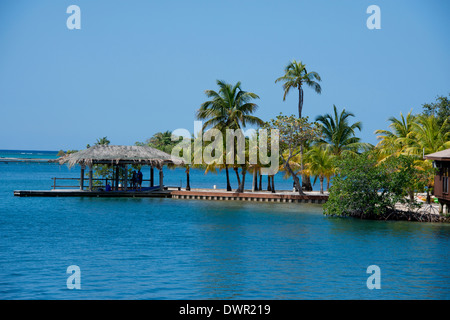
139,67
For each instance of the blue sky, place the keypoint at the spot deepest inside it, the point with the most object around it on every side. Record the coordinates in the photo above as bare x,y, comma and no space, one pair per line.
139,67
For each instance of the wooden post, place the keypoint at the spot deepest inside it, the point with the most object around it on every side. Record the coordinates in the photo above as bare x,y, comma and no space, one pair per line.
117,177
260,181
54,183
82,178
161,177
126,178
90,178
152,177
113,187
188,179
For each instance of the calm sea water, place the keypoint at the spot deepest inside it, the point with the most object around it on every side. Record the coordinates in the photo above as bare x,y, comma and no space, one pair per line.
193,249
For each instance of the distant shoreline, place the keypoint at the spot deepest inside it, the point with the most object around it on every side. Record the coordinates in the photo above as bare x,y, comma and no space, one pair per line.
4,159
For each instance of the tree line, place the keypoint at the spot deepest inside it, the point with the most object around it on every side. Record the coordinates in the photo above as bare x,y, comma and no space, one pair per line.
323,149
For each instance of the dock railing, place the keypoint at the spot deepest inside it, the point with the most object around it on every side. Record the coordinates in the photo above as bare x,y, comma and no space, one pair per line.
99,184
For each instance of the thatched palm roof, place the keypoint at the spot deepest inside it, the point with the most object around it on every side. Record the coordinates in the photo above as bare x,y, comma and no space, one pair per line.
107,154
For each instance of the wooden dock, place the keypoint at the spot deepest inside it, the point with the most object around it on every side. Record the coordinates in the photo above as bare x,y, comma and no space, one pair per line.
196,194
258,196
93,194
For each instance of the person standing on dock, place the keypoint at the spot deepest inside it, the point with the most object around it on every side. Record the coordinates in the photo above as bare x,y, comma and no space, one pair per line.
139,179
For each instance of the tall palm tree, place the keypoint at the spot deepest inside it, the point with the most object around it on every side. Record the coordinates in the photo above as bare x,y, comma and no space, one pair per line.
339,134
394,142
229,108
295,76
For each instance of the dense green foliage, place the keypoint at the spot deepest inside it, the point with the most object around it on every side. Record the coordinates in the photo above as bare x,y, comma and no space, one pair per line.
293,133
440,109
364,187
161,141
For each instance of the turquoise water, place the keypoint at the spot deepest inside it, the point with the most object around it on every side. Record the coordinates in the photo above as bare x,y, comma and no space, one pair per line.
193,249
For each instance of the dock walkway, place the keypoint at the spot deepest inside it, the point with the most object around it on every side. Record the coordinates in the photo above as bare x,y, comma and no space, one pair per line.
95,194
197,194
262,196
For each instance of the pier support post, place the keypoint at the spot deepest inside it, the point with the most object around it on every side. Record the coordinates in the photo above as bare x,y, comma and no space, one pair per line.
117,177
152,177
90,178
126,178
82,178
161,177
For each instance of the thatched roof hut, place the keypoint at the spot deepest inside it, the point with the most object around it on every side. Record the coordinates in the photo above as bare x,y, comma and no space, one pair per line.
108,154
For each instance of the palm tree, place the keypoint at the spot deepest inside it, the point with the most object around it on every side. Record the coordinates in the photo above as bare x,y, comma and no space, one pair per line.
415,136
427,136
339,134
102,141
229,108
394,142
162,141
295,76
320,164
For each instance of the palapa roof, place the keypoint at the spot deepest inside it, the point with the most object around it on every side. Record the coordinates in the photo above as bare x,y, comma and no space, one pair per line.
108,154
440,155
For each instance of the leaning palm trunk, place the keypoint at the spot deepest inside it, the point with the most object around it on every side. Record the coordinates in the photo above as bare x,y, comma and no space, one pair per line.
237,175
294,176
228,178
242,184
